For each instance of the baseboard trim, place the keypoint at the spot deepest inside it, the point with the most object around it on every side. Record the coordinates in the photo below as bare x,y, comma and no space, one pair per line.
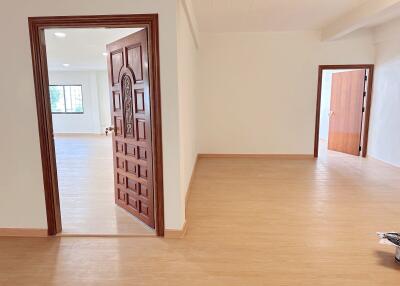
23,232
176,233
82,235
264,156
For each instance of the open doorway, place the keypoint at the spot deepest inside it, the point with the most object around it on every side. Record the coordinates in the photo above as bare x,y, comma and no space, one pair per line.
97,89
343,109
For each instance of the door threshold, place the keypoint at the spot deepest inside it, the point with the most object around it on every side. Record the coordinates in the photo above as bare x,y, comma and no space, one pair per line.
103,235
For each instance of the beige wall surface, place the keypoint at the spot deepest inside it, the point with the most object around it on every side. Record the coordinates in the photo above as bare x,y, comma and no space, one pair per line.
258,90
21,187
384,136
188,91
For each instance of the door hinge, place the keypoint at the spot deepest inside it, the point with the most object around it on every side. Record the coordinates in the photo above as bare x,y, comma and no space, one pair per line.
365,93
366,78
363,110
359,148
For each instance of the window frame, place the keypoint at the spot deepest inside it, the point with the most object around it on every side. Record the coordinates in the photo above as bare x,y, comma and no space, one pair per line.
65,107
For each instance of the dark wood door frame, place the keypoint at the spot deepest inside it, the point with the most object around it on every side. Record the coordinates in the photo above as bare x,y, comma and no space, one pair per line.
365,131
37,25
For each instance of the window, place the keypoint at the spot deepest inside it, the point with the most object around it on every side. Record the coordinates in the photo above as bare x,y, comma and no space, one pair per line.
66,99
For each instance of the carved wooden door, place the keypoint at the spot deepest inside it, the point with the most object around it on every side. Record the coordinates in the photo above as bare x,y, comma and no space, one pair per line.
345,123
130,110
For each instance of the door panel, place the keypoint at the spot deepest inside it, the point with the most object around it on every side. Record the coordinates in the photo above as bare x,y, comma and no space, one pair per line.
132,142
346,116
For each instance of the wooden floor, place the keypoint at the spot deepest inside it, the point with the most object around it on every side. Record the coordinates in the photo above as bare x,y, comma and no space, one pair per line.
251,222
86,186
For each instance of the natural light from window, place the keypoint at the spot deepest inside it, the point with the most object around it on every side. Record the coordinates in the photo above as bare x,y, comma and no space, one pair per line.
66,99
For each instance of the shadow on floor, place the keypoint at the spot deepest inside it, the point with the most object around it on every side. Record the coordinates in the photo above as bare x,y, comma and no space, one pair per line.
387,259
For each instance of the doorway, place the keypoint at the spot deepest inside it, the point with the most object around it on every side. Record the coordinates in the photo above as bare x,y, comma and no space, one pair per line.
132,153
343,109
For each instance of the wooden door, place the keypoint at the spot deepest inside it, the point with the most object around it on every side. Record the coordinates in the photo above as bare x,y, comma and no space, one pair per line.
346,116
128,63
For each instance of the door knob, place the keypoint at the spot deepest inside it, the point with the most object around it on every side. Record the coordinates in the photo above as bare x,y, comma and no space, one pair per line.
109,129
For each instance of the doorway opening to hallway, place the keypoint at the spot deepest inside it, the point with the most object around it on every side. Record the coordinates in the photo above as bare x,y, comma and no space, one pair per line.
343,109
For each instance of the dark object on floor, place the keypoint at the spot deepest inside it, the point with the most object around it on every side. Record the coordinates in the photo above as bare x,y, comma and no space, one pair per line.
392,238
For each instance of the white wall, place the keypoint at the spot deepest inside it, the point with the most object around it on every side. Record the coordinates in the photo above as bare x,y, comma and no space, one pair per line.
95,102
104,100
326,92
384,136
258,90
22,202
187,89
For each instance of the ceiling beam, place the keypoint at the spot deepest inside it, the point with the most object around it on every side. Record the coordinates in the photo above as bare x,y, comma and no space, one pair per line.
369,13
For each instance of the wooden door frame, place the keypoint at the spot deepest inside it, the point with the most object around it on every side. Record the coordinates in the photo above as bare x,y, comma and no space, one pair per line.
366,120
37,26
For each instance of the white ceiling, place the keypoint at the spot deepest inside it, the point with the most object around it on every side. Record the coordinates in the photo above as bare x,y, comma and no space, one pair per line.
82,49
269,15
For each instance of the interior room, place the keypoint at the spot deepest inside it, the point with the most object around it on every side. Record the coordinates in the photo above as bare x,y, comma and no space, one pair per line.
248,142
